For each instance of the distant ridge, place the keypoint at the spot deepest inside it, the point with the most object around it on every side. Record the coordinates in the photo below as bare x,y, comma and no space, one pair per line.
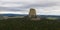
13,14
27,14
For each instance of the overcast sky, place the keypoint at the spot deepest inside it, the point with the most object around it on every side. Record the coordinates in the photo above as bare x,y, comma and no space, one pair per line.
43,7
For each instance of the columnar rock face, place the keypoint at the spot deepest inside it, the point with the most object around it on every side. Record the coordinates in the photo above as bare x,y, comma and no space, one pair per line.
32,13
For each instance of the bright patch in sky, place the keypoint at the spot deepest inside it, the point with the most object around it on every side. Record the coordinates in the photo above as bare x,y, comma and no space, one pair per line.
43,7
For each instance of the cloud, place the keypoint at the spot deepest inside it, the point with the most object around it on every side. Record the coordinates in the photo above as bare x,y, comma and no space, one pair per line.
20,3
13,12
54,10
46,7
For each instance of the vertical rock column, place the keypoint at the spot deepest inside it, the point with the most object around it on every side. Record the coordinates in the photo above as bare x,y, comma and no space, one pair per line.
32,13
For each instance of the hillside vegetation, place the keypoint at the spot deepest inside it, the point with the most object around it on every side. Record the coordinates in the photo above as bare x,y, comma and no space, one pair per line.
24,24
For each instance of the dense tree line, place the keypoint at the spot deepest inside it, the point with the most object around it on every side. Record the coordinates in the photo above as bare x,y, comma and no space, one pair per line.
27,24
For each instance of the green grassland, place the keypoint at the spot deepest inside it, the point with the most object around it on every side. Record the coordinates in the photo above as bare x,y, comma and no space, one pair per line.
27,24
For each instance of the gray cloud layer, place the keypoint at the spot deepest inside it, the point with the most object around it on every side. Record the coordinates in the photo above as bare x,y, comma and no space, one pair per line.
40,5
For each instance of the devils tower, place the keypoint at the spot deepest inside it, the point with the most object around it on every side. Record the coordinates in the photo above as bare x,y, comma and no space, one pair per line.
32,13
